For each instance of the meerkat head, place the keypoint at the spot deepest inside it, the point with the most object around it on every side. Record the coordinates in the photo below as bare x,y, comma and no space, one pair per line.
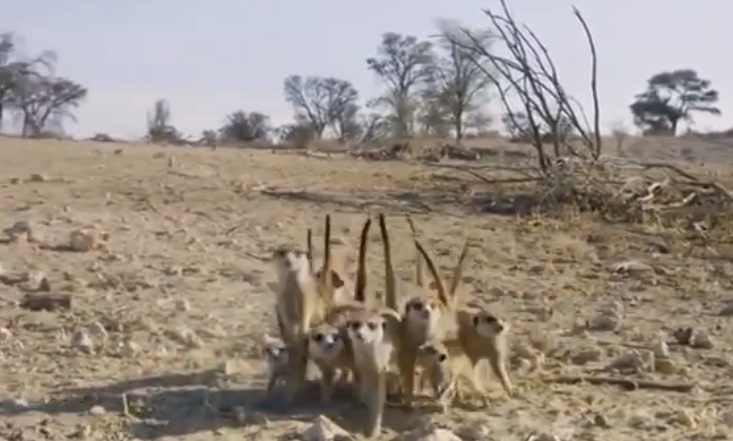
290,260
367,327
275,353
423,312
488,325
325,343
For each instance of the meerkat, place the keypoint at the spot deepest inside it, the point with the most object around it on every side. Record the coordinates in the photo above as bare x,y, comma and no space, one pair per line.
338,290
330,349
300,303
482,335
372,334
276,355
436,363
328,344
424,316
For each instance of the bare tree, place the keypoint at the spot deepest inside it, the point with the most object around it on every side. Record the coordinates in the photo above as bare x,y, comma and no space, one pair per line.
44,100
461,76
160,128
529,73
403,63
321,101
245,127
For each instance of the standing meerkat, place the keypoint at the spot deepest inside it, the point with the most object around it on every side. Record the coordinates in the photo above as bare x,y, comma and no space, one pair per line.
424,316
372,334
299,304
482,335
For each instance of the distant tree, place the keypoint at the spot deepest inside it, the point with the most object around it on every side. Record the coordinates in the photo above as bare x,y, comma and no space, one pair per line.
321,101
433,115
520,129
461,78
160,128
670,97
245,127
299,135
43,100
404,64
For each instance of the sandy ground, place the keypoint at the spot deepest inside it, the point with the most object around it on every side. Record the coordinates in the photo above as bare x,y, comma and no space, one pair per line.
182,294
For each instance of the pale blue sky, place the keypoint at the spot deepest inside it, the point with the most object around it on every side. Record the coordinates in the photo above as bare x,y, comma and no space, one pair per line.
209,58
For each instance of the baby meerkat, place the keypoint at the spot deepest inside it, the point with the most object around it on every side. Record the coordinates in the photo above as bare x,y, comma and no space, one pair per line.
372,334
330,349
276,355
434,359
482,335
424,317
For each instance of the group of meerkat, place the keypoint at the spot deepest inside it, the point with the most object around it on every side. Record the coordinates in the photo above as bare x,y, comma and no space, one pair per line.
363,340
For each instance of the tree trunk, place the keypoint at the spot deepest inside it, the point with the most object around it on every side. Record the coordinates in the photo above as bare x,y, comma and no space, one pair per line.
673,125
459,125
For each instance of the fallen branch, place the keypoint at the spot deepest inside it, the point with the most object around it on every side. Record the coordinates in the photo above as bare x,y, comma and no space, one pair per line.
626,383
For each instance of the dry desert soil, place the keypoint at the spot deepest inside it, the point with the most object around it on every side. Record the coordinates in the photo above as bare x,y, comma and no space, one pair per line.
163,335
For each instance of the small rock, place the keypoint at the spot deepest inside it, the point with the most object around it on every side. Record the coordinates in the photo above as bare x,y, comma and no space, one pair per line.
477,431
97,410
542,436
173,270
430,433
701,339
182,305
37,177
323,429
683,417
661,349
129,349
586,355
601,421
83,240
665,366
82,341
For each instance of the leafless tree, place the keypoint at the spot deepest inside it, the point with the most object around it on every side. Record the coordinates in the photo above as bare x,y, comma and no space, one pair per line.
529,73
321,101
403,63
461,75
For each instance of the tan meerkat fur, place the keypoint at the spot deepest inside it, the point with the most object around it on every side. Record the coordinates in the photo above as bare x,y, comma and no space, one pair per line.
337,291
300,303
437,366
275,353
482,335
328,344
424,316
372,334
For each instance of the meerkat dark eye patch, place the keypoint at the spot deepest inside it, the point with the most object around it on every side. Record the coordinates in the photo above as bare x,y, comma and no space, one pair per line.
318,338
417,306
442,357
336,280
372,326
355,325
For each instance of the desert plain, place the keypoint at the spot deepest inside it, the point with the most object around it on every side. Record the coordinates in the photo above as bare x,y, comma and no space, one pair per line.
173,306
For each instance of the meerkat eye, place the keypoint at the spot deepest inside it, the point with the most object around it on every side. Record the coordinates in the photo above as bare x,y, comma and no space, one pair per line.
442,357
416,307
318,338
372,325
355,325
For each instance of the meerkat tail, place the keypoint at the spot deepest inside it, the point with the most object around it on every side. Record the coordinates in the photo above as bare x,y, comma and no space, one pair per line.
309,249
389,277
442,294
361,275
458,272
419,272
326,282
